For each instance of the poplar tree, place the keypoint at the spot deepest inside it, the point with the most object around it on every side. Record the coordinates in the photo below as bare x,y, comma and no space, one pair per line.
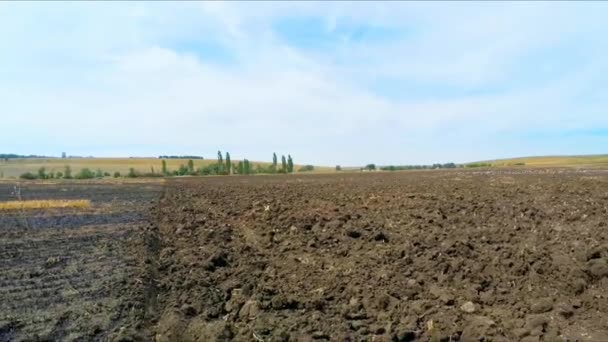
283,164
274,162
289,164
228,163
246,167
220,163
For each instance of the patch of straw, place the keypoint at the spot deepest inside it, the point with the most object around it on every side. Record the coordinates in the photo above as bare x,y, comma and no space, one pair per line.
44,204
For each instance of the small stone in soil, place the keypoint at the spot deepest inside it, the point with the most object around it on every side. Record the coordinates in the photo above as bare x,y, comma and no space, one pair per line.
468,307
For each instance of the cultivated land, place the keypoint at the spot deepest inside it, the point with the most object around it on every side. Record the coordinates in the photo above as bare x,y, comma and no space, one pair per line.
437,255
71,273
588,161
16,167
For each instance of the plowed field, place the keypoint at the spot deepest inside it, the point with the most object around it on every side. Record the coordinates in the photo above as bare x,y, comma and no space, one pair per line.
412,256
442,256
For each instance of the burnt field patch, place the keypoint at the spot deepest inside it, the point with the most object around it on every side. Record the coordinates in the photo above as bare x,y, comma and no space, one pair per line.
74,273
384,257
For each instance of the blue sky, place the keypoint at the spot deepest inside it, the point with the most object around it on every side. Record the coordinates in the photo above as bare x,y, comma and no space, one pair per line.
330,83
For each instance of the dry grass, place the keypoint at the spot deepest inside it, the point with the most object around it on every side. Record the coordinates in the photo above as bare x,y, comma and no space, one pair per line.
592,161
44,204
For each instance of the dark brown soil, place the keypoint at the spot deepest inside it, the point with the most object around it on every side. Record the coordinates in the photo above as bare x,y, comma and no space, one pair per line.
70,274
442,256
412,256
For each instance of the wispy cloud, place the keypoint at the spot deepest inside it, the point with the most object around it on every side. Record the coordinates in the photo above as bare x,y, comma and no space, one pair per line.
330,83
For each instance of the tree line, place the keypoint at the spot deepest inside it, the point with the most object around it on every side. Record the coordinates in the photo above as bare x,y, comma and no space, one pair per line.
223,166
419,167
180,157
7,156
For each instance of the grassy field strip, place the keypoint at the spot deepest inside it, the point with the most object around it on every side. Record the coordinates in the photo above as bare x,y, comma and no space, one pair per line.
555,161
15,167
44,204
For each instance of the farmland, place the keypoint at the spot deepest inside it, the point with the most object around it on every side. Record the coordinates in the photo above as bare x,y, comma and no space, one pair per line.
503,254
583,161
13,168
69,273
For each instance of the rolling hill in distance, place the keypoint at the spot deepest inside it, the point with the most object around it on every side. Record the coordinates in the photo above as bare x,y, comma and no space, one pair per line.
592,161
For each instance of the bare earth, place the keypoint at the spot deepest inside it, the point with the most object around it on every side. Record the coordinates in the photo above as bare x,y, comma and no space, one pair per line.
453,255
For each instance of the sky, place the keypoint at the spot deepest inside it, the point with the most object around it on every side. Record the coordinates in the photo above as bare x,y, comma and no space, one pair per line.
345,83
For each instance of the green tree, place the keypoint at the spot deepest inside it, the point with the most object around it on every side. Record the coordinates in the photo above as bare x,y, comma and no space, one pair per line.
99,173
190,166
228,163
59,174
371,167
67,172
116,174
220,163
164,166
283,164
246,167
42,173
289,164
241,167
274,161
338,168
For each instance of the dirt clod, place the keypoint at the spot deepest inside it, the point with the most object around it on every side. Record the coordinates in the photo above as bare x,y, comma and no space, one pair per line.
468,307
598,267
541,305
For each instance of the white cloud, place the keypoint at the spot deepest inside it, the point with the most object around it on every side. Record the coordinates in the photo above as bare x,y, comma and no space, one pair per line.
111,73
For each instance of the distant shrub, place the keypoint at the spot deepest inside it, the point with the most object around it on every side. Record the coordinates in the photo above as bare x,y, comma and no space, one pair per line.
338,168
306,168
478,165
99,173
370,167
67,172
42,173
85,173
28,175
132,173
106,174
58,175
183,170
116,174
